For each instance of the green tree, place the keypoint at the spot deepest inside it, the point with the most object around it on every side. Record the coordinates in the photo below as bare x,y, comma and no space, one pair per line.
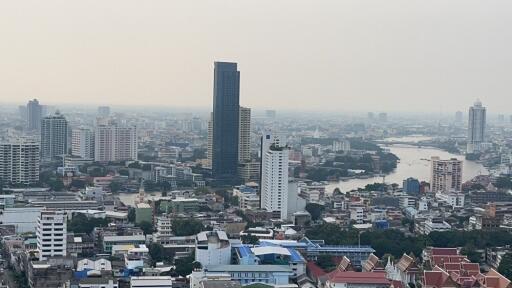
470,251
505,267
325,262
249,239
146,226
114,186
315,210
131,215
186,227
185,266
156,251
81,224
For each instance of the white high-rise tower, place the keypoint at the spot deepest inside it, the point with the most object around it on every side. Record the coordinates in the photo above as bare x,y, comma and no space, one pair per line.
476,127
51,234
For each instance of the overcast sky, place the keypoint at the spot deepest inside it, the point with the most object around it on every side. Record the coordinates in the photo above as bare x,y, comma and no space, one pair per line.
436,55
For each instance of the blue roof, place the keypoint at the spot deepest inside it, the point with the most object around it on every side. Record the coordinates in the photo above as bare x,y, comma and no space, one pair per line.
244,251
295,256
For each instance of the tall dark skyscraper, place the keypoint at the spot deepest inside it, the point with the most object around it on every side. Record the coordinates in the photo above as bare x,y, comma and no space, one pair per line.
226,105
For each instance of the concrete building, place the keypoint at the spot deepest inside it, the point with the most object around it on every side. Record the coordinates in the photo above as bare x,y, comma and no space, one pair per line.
411,186
446,175
51,234
82,143
24,219
244,145
54,137
143,213
109,241
274,181
209,152
103,111
476,127
213,248
115,143
226,118
274,275
19,162
34,115
151,281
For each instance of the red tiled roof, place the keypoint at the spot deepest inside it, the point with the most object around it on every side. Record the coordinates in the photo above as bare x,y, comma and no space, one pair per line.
358,277
314,270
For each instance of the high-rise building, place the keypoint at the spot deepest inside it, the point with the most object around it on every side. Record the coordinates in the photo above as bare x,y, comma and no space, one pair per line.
226,114
209,151
383,117
476,127
446,175
82,143
411,186
270,114
371,116
244,145
54,136
459,117
274,175
51,234
115,143
103,111
34,115
19,162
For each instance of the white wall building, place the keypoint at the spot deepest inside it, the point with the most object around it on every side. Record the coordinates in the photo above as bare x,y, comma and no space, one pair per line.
51,234
446,175
19,162
274,176
151,281
82,143
213,248
115,143
476,127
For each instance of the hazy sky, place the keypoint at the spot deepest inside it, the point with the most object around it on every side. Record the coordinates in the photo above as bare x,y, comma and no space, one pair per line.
435,55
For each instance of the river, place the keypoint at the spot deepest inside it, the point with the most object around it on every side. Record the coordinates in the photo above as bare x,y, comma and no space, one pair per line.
412,163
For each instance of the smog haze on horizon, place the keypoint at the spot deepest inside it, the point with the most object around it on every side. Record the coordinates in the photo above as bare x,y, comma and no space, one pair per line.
355,55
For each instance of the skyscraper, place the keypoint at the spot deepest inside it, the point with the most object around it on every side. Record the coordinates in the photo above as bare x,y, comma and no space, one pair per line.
82,143
54,136
446,175
226,96
34,115
115,143
274,176
244,145
19,162
458,117
476,127
210,142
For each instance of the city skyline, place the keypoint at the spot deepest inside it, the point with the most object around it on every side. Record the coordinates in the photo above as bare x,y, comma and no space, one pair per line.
335,56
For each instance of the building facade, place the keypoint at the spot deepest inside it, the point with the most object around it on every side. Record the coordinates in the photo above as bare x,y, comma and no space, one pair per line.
54,136
274,181
34,114
476,127
226,117
244,146
19,162
51,234
115,143
82,143
446,175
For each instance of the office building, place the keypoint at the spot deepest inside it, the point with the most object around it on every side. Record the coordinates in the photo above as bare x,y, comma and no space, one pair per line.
34,114
210,143
244,145
19,162
476,127
270,114
82,143
213,248
115,143
54,137
446,175
383,117
103,111
226,117
411,186
51,234
274,179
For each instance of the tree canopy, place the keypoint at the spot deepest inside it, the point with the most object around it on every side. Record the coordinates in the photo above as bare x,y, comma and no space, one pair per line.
186,227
